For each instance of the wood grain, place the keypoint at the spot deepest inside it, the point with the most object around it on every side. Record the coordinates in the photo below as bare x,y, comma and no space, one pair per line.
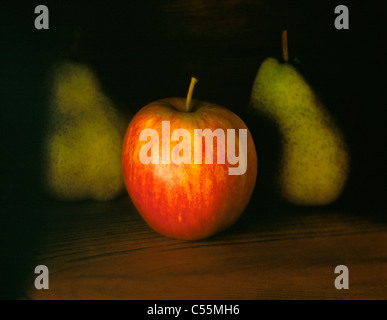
106,251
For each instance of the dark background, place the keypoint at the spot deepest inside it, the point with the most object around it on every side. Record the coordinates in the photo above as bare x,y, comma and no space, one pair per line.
146,50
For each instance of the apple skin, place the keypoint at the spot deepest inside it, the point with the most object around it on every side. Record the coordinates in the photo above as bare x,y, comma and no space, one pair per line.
187,201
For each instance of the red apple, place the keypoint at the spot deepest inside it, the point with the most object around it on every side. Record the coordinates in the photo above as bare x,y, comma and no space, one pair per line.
185,184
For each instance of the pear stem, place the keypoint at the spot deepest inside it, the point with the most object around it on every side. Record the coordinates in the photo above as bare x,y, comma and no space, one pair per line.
285,52
194,80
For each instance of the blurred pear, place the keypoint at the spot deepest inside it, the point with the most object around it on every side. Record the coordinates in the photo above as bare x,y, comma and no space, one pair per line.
83,143
314,158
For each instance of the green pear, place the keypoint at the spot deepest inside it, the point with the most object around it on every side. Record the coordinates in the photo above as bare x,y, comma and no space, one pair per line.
314,158
83,142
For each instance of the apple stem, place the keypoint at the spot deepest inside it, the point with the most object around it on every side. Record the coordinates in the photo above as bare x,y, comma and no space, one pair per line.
194,80
285,52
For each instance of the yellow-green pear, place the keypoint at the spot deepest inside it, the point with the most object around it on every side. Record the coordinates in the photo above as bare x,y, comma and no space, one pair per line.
83,142
314,158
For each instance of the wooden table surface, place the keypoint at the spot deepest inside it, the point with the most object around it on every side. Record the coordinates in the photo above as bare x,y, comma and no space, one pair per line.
106,251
